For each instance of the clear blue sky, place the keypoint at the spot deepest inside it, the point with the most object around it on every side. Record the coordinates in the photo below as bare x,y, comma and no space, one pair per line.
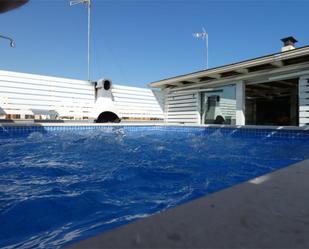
136,42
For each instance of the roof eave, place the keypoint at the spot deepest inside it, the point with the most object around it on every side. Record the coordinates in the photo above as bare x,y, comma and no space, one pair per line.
269,59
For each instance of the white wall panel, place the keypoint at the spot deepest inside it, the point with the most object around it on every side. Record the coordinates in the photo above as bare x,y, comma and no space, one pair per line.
137,102
31,94
181,108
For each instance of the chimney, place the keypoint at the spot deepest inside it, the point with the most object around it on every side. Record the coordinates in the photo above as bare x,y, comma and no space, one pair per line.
288,43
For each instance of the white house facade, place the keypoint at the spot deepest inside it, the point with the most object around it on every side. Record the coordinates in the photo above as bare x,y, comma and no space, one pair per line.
269,90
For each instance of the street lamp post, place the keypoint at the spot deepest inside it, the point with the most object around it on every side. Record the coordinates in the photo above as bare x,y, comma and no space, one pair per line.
204,36
88,2
12,42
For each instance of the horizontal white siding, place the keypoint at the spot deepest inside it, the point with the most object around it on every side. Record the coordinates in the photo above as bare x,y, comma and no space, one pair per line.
185,108
303,92
134,102
181,108
29,94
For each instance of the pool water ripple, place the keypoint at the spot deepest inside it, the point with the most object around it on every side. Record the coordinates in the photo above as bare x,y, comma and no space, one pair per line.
61,187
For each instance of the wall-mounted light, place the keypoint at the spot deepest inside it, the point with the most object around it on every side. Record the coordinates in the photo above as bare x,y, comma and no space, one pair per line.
12,42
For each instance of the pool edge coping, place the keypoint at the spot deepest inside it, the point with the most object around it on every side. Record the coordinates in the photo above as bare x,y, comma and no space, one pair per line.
53,124
161,229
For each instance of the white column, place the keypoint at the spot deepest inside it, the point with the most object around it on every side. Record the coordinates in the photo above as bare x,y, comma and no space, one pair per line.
303,94
240,103
199,108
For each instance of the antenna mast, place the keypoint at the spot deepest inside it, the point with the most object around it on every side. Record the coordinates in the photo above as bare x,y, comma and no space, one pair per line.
204,36
88,2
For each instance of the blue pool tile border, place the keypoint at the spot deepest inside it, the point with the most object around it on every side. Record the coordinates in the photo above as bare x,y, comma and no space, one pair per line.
6,131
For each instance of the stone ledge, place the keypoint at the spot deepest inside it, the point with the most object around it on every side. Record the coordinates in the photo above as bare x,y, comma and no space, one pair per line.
271,211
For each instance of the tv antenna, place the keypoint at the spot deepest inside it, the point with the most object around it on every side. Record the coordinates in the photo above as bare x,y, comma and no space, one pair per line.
204,36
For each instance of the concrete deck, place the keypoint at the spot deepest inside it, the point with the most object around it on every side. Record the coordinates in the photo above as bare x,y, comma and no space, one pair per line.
271,211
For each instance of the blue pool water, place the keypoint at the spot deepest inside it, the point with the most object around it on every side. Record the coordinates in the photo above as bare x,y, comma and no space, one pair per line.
58,187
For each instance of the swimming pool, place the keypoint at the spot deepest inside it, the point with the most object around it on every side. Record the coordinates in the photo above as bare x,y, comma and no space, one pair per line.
59,185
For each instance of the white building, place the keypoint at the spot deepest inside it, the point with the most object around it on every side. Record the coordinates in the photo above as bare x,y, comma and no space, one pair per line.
269,90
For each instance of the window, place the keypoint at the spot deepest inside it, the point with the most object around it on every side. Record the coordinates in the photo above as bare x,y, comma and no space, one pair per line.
218,106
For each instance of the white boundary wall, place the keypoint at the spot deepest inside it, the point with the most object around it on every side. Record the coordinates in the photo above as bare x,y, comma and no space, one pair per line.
134,102
30,94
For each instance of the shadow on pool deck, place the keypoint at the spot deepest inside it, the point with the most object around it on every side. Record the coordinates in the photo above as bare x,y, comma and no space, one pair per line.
271,211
